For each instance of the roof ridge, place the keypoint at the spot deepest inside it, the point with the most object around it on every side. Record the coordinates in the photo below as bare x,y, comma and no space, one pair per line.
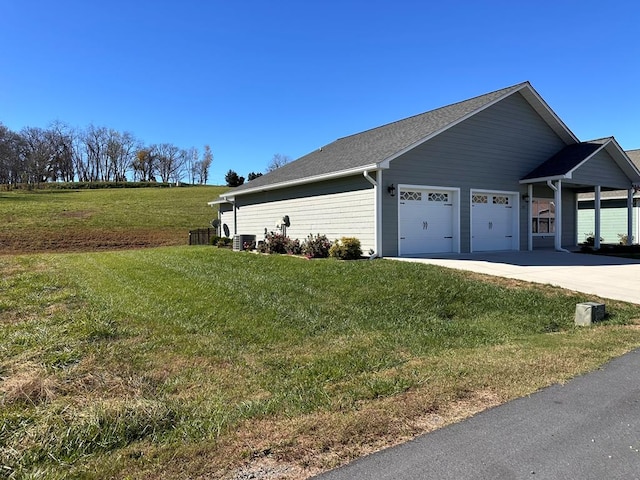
514,87
599,140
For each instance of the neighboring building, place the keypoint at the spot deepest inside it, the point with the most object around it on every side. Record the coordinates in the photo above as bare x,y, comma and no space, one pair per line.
614,212
497,172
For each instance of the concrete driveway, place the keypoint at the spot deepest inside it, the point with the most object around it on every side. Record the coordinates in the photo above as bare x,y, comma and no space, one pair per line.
606,277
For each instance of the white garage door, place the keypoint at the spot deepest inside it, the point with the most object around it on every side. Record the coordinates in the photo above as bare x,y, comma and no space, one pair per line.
426,221
492,221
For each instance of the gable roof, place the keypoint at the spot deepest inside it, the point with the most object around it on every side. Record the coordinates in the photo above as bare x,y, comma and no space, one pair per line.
634,156
567,160
375,148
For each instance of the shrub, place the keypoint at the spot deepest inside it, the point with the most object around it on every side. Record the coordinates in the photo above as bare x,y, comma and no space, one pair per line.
622,237
590,239
347,248
316,246
293,247
278,243
221,241
214,240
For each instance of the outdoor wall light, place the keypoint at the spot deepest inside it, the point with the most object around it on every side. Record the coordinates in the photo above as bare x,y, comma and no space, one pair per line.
525,197
392,190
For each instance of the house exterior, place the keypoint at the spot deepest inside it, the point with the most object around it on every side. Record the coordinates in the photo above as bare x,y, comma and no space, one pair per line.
500,171
613,206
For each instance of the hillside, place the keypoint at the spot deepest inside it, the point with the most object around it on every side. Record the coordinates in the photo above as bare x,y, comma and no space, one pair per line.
106,219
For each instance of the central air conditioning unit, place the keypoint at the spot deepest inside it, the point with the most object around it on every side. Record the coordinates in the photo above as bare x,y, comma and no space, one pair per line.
239,241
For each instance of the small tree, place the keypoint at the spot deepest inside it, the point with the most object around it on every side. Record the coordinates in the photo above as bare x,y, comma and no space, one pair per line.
253,176
205,164
278,160
232,179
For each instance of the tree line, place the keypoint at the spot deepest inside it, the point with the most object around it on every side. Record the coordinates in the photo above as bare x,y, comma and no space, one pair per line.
61,153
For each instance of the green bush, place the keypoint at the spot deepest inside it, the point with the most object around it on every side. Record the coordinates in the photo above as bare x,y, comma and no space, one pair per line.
347,248
224,242
217,241
316,246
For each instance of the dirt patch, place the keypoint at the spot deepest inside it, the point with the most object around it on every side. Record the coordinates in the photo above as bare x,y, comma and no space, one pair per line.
85,240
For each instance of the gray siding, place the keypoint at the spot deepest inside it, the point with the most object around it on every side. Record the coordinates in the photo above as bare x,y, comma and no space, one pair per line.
492,150
602,170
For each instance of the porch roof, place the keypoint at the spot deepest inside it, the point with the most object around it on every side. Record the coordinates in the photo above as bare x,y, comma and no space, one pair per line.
566,161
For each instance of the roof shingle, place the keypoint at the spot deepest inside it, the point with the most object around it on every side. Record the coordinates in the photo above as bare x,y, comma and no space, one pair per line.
566,159
376,145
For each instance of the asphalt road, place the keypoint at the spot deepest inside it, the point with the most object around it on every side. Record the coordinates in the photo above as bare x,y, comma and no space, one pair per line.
587,429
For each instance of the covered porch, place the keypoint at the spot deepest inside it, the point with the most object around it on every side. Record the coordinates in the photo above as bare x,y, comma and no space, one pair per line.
552,189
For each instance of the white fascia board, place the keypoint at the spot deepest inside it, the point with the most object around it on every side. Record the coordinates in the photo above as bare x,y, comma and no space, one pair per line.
552,113
544,179
614,143
219,202
623,162
306,180
570,172
527,85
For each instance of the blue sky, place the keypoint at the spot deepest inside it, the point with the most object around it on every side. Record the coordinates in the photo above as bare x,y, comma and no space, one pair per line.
254,78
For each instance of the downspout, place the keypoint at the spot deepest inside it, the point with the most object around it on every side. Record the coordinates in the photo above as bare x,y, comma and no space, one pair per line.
630,216
597,218
377,221
233,214
557,196
530,216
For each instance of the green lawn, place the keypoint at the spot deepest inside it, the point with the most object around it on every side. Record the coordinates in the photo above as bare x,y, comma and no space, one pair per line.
77,220
185,361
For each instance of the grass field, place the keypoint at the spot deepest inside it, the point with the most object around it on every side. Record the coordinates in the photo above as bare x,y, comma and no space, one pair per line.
196,362
83,220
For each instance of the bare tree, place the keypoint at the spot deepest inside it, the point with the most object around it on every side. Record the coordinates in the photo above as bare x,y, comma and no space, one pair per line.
121,150
278,161
169,160
37,154
191,160
10,156
95,143
60,138
207,160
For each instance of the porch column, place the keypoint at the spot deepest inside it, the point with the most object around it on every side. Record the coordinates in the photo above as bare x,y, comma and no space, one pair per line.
558,199
630,216
596,233
530,217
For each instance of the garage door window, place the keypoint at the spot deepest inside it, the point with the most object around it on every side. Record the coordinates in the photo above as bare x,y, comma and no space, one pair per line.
543,216
417,196
438,197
